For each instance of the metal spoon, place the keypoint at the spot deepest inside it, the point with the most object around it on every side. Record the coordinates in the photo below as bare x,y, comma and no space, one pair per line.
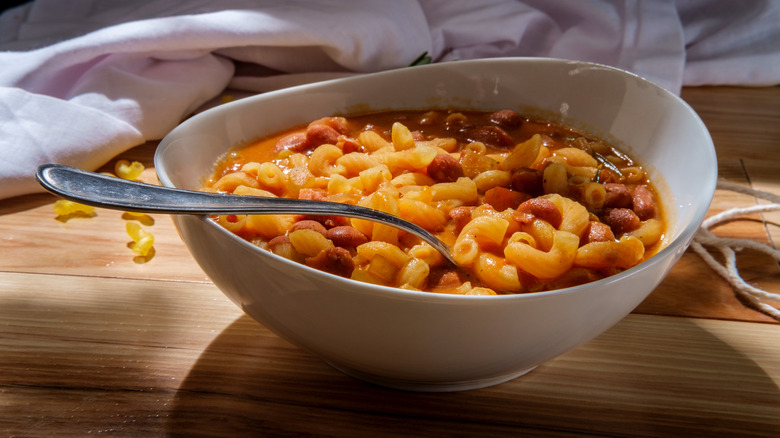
99,190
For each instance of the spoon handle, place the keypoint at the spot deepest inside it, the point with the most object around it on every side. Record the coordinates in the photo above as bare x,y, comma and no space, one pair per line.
106,191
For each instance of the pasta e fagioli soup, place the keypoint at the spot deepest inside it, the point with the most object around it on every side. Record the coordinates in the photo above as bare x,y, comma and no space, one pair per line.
526,205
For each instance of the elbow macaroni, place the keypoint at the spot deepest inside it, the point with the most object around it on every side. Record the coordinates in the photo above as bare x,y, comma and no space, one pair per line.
436,175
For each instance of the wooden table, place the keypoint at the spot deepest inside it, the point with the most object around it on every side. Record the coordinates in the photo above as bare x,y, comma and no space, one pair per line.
95,341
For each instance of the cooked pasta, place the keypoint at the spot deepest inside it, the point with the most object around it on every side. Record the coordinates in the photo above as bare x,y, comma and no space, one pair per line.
523,203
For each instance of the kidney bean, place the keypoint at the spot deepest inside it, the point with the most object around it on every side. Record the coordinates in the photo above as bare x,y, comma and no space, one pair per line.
621,220
539,208
643,204
528,181
278,240
317,134
490,135
337,123
461,216
617,196
502,198
335,260
309,224
346,236
599,232
295,142
506,119
445,168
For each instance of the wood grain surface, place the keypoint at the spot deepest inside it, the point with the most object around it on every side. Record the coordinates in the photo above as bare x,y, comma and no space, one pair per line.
96,341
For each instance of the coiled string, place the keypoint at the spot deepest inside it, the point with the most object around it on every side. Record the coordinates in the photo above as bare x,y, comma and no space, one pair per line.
728,247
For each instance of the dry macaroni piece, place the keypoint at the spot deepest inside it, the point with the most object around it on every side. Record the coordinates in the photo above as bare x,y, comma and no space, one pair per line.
64,207
127,170
526,205
143,241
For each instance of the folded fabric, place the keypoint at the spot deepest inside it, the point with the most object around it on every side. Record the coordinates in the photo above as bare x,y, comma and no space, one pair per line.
83,80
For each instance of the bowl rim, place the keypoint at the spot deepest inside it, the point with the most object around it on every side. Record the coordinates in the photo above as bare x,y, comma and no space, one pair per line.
673,249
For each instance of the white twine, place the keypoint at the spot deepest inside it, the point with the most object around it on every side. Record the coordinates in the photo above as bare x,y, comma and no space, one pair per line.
727,247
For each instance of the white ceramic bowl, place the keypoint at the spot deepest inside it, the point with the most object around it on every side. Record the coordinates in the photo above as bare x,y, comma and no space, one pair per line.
437,342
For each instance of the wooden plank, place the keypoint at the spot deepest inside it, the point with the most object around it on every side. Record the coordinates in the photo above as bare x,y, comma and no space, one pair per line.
85,355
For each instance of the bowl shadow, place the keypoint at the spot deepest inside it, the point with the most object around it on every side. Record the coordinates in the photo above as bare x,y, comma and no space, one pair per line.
273,388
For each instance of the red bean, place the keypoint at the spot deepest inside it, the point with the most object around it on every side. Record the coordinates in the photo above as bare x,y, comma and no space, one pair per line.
643,204
445,168
461,216
308,224
346,236
490,135
621,220
599,232
295,142
335,260
317,135
506,119
528,181
540,208
617,196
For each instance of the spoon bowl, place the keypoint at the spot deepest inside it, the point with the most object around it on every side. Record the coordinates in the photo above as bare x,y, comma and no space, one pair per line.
106,191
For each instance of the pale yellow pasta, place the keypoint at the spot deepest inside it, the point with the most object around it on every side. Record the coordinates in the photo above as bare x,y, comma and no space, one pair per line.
322,161
413,159
523,155
463,189
401,137
496,273
593,195
391,252
372,141
422,214
414,273
625,253
485,230
576,157
492,178
374,177
633,174
229,182
143,241
338,184
465,251
541,264
233,223
64,207
383,269
649,232
413,178
252,191
425,252
476,147
297,160
542,233
356,162
417,193
555,179
575,216
127,170
272,178
446,144
309,242
523,237
268,226
480,291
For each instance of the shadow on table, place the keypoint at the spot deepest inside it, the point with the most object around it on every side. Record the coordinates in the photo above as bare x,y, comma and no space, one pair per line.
608,386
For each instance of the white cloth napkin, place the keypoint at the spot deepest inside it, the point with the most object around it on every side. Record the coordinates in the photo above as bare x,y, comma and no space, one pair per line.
83,80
